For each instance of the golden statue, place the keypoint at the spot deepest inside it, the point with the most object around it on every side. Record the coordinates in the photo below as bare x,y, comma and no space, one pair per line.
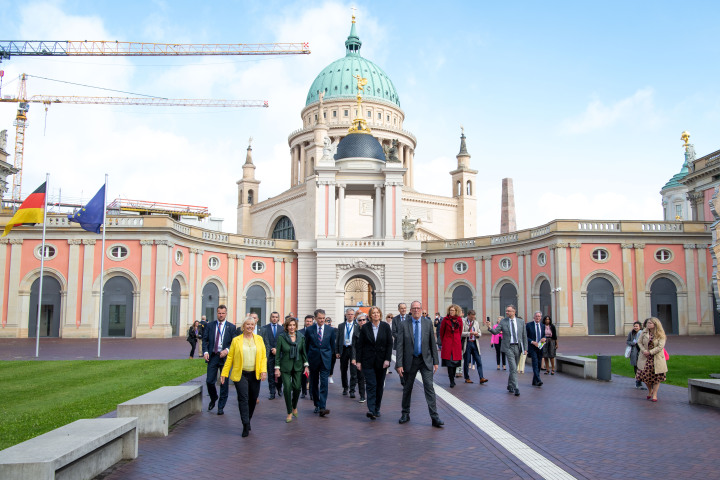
359,125
685,136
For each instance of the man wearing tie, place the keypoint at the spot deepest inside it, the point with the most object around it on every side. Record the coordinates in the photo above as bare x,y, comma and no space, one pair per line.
343,348
270,334
217,337
535,339
417,351
514,341
320,341
396,325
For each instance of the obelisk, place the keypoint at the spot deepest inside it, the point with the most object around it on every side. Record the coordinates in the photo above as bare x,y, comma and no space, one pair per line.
507,210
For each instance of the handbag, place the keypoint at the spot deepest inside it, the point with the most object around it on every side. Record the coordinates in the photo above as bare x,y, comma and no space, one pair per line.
667,355
521,363
628,349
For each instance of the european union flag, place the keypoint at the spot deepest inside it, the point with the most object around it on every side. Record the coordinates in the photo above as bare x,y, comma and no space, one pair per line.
92,215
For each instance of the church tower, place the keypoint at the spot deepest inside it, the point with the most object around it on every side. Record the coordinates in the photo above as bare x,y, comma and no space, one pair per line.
463,184
248,193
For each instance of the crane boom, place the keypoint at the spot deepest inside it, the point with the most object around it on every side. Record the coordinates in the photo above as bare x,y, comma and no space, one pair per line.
159,102
102,48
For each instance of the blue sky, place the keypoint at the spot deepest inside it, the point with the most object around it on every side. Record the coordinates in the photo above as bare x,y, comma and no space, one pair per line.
582,104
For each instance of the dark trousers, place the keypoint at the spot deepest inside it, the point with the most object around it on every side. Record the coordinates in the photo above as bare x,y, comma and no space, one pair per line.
193,344
536,355
498,354
319,385
214,364
427,377
272,383
471,351
375,379
304,384
345,359
248,390
291,383
361,383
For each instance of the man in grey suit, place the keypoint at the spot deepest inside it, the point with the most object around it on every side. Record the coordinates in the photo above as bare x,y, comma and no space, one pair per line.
514,342
417,351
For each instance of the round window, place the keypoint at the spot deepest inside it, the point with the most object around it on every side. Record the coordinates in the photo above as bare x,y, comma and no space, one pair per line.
460,267
214,263
257,266
600,255
663,255
48,252
542,259
505,264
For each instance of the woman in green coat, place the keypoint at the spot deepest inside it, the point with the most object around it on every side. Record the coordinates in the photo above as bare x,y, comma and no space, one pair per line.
290,363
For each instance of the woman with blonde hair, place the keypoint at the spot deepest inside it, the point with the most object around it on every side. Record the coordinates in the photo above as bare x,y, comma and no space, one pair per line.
374,351
651,364
451,337
248,361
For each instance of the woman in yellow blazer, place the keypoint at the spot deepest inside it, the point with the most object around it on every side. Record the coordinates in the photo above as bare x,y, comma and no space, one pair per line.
248,361
651,364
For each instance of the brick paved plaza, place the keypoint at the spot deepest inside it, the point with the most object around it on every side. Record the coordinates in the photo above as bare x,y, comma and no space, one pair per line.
568,428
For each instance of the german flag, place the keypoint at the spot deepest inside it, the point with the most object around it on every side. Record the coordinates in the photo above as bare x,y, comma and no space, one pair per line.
30,212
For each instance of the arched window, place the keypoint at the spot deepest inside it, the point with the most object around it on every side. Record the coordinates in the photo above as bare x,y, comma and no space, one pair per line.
251,197
468,188
284,229
459,188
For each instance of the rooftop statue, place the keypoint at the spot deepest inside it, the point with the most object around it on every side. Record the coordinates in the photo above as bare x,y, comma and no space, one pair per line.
391,151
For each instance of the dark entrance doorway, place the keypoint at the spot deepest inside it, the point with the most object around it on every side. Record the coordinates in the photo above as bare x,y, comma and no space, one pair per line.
359,292
49,309
117,308
601,307
256,303
462,296
508,296
545,299
210,301
175,308
663,300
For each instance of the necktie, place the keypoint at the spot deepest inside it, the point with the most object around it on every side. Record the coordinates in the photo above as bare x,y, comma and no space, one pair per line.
320,334
513,337
348,331
274,330
537,332
217,338
416,351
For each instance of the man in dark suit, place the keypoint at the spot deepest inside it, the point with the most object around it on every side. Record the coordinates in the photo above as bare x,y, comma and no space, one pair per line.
345,332
374,352
396,325
320,341
309,319
514,342
270,334
417,351
535,337
217,337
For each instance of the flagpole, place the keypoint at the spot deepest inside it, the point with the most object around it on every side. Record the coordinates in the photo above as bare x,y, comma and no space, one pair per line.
42,268
102,265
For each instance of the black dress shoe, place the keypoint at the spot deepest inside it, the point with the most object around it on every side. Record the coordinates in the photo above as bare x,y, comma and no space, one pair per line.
436,422
324,412
404,418
220,411
370,415
352,394
344,391
517,392
246,431
377,414
317,410
539,384
509,388
271,397
211,405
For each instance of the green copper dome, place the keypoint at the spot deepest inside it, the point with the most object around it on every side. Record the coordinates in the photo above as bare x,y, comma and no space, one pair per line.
337,81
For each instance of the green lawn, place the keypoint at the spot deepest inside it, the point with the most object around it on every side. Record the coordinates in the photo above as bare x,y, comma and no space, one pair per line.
680,367
39,396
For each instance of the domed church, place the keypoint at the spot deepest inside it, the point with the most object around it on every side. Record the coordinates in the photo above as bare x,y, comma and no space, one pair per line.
351,204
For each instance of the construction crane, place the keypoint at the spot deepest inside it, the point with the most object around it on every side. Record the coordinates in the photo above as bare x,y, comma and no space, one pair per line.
104,48
24,105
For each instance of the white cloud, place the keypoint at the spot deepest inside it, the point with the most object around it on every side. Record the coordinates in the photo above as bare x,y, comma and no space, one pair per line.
636,110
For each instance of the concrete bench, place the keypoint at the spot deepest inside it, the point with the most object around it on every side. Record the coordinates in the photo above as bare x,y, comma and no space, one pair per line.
578,366
158,410
704,391
79,450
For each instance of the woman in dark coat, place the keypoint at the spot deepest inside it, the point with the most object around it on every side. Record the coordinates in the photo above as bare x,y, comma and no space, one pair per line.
551,342
631,342
451,337
194,333
374,351
290,363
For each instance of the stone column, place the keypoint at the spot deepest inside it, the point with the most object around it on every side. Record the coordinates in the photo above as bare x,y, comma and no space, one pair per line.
193,294
691,279
574,284
143,327
411,171
163,282
441,284
377,212
643,308
13,320
479,305
288,287
629,314
431,286
301,179
91,307
341,211
240,289
277,282
198,283
231,286
522,306
562,317
706,313
553,286
293,166
487,282
72,316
